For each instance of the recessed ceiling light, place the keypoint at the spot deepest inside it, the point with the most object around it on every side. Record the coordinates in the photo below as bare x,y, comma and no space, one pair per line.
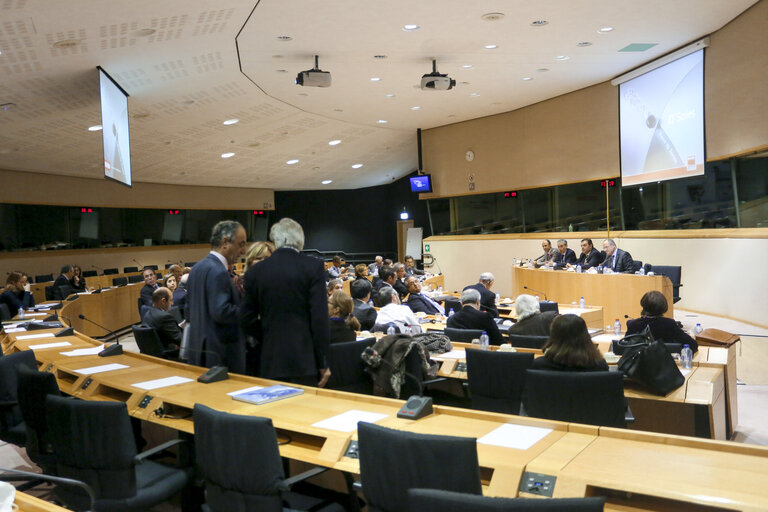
583,44
527,79
542,70
326,182
416,108
375,79
338,110
389,95
230,122
492,16
227,155
281,70
144,32
491,46
315,168
410,27
66,43
334,142
474,95
379,56
463,83
284,38
382,121
94,128
539,23
604,30
562,57
291,162
277,56
357,166
467,66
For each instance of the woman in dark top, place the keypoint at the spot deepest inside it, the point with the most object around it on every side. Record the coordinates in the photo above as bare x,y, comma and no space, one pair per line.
664,329
78,281
569,348
15,296
343,322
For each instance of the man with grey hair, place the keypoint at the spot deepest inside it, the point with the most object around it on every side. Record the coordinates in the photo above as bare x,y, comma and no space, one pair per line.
394,312
564,255
213,303
470,317
487,297
616,259
285,309
373,268
530,319
62,286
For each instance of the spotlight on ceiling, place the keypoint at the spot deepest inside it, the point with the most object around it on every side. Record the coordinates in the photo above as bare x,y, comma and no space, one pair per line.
435,81
314,77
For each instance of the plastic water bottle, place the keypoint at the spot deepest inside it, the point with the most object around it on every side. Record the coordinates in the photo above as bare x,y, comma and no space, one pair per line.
582,304
498,297
370,302
686,356
450,313
617,327
391,330
530,263
409,330
21,312
578,269
484,341
697,330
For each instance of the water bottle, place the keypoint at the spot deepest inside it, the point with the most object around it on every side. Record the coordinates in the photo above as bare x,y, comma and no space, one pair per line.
578,269
484,341
641,271
440,290
617,327
582,304
391,330
697,330
530,263
370,302
408,330
686,356
498,298
450,313
21,312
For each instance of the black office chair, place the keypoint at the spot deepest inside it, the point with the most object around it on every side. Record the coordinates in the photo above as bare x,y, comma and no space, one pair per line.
189,264
496,379
94,443
61,292
431,500
111,271
12,427
5,313
135,279
119,281
149,343
43,278
153,267
393,461
674,273
49,293
549,305
462,335
347,368
452,304
34,387
594,398
527,340
90,273
636,265
239,460
126,270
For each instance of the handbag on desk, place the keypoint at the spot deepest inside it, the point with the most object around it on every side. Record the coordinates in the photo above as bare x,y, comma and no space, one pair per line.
632,341
651,365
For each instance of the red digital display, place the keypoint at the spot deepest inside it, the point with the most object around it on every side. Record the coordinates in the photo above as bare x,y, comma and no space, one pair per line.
259,213
510,194
611,183
86,210
173,212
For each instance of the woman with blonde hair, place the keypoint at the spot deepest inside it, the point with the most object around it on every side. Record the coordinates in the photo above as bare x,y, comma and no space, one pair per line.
258,251
14,295
343,323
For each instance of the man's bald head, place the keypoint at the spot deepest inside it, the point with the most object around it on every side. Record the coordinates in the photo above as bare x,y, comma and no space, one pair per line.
162,298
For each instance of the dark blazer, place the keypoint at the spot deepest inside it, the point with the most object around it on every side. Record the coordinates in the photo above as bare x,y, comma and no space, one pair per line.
62,287
212,312
562,259
167,329
400,288
544,363
285,308
470,318
340,332
365,314
180,298
589,260
536,325
663,329
418,303
623,261
16,301
146,295
487,299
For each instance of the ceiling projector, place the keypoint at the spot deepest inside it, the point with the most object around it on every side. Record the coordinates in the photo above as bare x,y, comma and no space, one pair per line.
435,81
314,77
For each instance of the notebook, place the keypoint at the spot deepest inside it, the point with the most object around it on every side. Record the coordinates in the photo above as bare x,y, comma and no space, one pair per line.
266,395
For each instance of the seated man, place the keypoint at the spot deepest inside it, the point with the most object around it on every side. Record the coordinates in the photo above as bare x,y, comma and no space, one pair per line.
158,318
387,278
530,319
549,253
590,257
487,297
360,289
564,255
400,286
417,301
470,317
150,285
335,270
410,269
616,259
373,268
394,312
62,286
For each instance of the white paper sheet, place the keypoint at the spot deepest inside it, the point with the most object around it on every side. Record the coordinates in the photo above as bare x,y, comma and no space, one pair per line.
347,421
50,345
520,437
9,330
453,354
35,314
100,369
161,383
252,388
35,336
82,352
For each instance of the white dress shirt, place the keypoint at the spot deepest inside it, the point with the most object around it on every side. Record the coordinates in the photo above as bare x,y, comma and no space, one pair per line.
400,315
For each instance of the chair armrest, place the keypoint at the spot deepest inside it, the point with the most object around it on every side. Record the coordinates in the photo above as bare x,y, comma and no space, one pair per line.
358,486
628,416
286,484
138,459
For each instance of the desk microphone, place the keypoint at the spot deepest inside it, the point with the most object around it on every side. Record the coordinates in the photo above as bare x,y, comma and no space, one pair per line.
416,406
113,350
215,373
68,331
537,291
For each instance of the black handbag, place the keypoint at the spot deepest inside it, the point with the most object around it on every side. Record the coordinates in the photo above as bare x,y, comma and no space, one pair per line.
632,341
653,367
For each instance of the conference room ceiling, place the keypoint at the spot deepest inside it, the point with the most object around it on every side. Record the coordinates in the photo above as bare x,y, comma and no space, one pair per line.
180,61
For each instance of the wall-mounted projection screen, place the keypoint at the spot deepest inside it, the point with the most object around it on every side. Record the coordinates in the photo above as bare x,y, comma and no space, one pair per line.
114,124
662,122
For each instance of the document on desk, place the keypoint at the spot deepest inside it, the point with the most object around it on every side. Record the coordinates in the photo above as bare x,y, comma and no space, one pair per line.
347,421
43,346
453,354
520,437
35,336
35,314
246,390
82,352
9,330
101,369
161,383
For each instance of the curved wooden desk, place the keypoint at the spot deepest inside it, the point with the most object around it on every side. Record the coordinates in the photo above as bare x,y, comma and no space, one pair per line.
114,308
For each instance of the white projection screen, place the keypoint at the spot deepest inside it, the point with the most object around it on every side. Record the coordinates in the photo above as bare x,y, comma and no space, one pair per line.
115,134
662,122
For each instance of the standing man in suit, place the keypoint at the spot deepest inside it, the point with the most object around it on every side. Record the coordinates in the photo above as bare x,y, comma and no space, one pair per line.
417,301
360,289
564,255
62,286
487,297
158,318
616,259
590,257
150,285
285,309
470,317
213,303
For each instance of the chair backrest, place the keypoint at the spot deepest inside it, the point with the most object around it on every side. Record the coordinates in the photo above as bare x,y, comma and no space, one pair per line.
462,335
43,278
147,340
90,273
226,446
130,269
33,387
153,267
497,379
49,293
384,327
452,304
431,500
9,382
674,273
636,265
594,398
119,281
93,442
189,264
135,279
527,340
548,305
393,461
61,292
5,313
347,368
109,271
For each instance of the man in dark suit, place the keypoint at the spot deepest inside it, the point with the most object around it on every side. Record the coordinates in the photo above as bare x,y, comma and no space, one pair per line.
616,259
487,297
285,309
62,286
470,317
564,255
213,302
589,257
418,302
400,276
158,318
386,278
150,285
360,289
530,320
410,268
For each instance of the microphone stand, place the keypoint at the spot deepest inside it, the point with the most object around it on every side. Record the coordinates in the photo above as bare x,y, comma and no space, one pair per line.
537,291
113,350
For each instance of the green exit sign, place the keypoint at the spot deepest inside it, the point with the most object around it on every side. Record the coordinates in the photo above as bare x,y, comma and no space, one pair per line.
426,248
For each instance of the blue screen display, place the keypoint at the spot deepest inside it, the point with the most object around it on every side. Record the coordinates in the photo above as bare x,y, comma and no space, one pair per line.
422,183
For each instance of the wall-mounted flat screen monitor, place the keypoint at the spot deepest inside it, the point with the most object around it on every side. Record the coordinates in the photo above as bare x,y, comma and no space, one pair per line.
662,122
114,130
421,183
